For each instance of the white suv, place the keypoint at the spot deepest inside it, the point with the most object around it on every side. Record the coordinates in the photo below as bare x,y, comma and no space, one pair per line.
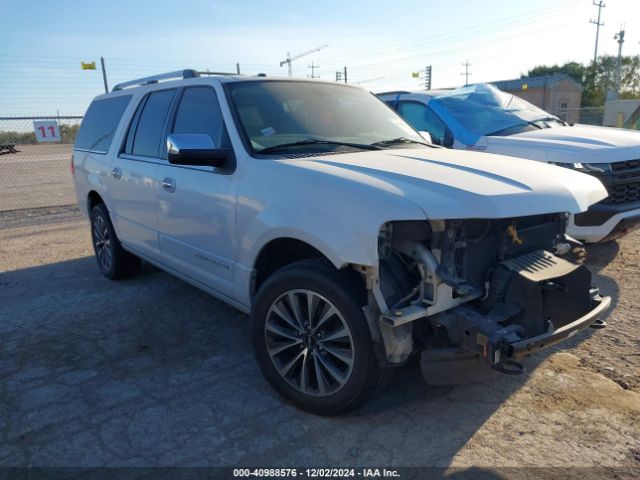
352,243
484,119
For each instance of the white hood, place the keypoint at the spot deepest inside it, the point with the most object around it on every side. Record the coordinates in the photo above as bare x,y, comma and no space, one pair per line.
579,143
448,184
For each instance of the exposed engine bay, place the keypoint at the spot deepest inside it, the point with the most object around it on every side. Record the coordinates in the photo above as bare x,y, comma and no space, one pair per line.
476,292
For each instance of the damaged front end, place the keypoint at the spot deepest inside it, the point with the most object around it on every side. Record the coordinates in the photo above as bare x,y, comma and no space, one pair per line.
477,293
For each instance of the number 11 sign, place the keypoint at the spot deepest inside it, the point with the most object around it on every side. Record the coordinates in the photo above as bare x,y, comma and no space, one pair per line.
46,130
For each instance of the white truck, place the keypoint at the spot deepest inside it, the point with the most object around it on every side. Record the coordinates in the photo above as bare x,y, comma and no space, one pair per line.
351,242
484,119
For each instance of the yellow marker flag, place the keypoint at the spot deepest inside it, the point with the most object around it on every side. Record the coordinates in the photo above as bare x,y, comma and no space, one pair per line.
88,66
415,74
525,86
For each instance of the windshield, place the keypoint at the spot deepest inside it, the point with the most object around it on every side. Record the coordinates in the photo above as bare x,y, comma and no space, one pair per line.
484,110
317,117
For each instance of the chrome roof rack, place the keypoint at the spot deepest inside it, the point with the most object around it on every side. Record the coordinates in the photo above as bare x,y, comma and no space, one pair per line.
180,74
207,72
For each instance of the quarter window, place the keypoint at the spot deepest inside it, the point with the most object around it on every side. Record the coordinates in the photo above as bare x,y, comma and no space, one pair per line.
100,123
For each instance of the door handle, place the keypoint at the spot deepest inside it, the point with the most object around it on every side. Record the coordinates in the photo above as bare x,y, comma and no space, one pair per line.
116,173
169,184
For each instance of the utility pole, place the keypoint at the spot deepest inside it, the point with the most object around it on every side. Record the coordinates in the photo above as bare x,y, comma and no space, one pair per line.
427,78
313,70
466,72
104,75
345,74
238,68
620,38
600,4
290,59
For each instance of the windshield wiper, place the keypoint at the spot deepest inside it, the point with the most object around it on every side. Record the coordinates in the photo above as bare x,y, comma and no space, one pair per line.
523,124
550,118
316,141
396,141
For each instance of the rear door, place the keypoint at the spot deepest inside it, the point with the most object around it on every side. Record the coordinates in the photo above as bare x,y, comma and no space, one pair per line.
133,178
197,205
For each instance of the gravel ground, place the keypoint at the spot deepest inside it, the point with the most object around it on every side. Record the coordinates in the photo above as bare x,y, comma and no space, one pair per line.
37,176
152,372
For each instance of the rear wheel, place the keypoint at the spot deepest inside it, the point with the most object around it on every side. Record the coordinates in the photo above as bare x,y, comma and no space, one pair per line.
114,262
311,338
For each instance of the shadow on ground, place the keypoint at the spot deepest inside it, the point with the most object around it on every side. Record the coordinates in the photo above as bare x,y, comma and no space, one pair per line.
151,371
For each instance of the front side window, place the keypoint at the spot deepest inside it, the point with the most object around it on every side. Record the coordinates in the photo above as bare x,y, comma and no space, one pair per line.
326,117
199,112
147,139
423,119
100,123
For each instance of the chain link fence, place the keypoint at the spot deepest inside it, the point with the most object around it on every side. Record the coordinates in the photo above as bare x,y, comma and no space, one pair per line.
35,155
584,115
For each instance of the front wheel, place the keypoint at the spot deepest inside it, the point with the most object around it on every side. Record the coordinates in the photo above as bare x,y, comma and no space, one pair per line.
311,338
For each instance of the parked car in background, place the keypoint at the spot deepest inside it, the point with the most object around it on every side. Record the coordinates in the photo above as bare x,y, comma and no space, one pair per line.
482,118
351,242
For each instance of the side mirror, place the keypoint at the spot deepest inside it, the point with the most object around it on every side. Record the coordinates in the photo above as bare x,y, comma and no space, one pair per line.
427,136
195,149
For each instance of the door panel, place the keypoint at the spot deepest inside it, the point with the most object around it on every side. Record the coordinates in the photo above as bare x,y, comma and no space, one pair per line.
197,205
133,202
132,181
196,223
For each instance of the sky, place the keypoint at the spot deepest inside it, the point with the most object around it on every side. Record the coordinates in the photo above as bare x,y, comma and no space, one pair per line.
380,43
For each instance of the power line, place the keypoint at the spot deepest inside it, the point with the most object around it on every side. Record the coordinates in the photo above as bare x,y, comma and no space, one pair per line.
448,51
600,4
445,38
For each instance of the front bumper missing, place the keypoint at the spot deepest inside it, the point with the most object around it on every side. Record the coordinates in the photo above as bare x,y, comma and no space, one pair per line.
465,363
531,345
535,301
487,337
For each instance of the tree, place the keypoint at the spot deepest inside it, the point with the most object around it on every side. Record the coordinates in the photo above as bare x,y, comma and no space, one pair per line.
598,79
574,69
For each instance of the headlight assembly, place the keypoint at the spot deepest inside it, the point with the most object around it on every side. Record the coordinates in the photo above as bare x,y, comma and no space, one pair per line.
586,167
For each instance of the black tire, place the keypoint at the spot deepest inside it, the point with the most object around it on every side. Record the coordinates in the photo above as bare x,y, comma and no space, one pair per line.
114,262
324,280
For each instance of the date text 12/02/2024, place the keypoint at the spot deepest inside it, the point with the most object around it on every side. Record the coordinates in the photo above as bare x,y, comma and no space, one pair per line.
317,472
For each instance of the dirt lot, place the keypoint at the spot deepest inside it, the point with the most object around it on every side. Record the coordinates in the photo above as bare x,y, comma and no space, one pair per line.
151,371
36,176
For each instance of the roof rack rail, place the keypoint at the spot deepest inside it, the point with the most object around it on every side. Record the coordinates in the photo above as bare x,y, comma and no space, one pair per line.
207,72
180,74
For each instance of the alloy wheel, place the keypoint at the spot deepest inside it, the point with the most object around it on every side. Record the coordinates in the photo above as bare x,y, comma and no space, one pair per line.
309,342
102,242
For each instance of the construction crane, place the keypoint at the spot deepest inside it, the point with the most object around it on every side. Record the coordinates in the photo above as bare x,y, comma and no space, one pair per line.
290,59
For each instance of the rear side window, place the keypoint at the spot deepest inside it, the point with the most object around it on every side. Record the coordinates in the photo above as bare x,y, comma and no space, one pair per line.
147,139
199,112
100,123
